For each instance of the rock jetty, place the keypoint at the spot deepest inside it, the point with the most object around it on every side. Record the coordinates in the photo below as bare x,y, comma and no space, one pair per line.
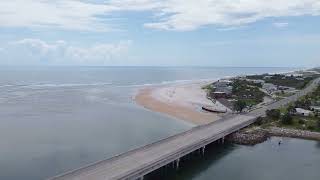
255,135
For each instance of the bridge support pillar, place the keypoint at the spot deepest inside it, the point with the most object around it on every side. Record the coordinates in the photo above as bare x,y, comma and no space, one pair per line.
203,150
177,163
222,140
141,178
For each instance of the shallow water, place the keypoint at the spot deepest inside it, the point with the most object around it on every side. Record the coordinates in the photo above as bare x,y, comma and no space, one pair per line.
54,119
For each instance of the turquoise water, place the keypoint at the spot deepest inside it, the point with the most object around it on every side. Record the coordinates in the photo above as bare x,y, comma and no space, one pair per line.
54,119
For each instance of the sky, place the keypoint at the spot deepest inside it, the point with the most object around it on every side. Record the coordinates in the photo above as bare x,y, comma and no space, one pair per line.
246,33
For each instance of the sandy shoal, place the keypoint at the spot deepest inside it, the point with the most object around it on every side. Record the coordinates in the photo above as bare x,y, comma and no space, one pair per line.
181,101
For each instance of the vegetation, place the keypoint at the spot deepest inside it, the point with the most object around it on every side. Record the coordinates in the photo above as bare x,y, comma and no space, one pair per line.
303,103
291,109
256,77
239,105
245,94
286,119
208,87
273,114
248,92
311,99
282,80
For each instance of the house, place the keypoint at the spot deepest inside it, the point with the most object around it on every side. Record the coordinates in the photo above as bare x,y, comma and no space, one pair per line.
227,89
294,75
311,72
221,83
270,88
267,77
303,112
219,94
222,89
256,81
285,88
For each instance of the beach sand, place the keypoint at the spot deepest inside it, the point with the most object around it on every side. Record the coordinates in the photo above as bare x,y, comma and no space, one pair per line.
181,101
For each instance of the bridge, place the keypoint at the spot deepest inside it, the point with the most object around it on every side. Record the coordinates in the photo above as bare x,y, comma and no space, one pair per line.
137,163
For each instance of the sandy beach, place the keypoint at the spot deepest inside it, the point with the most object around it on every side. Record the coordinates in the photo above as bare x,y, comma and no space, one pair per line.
181,101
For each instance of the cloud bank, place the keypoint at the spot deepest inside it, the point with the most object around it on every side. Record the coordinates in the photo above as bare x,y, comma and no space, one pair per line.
179,15
39,52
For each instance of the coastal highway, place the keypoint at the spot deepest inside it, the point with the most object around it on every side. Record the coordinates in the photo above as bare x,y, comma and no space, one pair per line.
310,87
136,163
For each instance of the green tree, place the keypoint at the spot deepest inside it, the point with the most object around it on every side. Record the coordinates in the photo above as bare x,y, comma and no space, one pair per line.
291,109
259,121
303,103
286,119
273,114
239,105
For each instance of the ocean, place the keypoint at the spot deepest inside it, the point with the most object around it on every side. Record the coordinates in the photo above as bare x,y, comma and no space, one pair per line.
55,119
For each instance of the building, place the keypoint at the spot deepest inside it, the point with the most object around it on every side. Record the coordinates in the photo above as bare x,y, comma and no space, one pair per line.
221,83
296,75
219,94
270,88
227,89
256,81
222,89
303,112
283,88
267,77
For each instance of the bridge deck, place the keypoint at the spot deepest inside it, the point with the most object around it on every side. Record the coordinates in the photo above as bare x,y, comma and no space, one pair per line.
144,158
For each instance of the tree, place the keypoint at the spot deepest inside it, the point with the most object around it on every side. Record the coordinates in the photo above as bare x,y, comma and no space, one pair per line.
318,123
273,113
239,105
259,121
291,110
303,103
286,119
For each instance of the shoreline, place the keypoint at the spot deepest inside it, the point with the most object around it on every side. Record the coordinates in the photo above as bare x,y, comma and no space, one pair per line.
190,112
179,101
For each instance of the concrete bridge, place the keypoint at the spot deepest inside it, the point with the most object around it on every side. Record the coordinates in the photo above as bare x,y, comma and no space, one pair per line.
135,164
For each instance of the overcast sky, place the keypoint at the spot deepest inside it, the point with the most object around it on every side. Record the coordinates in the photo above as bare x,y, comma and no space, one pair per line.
160,32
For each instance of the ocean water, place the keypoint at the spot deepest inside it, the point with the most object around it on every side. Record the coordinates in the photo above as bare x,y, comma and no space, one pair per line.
55,119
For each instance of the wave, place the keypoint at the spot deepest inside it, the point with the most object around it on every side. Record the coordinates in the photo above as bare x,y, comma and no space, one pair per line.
50,85
173,82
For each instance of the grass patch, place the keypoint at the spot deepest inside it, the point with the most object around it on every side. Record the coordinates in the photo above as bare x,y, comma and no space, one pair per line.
302,123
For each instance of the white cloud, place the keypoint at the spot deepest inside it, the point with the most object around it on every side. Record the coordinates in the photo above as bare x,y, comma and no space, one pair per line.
181,15
64,14
280,24
38,52
186,15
